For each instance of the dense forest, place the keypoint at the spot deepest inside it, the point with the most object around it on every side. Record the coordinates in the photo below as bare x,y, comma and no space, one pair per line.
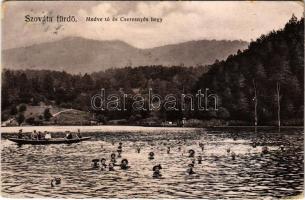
268,75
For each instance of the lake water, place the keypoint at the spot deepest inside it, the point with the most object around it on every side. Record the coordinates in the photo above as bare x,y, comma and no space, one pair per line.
27,171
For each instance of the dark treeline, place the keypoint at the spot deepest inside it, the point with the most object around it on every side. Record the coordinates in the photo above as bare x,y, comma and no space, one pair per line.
272,68
75,91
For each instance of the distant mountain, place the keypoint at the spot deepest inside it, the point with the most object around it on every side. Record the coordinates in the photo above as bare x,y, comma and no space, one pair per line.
75,54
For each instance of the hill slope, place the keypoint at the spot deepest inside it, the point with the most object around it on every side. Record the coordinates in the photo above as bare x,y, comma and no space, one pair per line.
75,54
273,66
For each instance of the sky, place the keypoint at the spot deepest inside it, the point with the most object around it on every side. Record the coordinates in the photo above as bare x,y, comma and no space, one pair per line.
181,21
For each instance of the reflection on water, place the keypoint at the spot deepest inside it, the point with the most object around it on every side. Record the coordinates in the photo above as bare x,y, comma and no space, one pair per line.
27,170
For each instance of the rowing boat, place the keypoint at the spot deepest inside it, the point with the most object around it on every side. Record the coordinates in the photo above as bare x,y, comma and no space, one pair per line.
49,141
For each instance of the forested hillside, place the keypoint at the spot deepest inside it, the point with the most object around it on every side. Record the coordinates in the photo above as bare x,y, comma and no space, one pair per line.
75,91
267,74
274,65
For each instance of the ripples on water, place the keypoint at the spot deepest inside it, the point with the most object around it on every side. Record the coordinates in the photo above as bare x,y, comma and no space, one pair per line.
27,170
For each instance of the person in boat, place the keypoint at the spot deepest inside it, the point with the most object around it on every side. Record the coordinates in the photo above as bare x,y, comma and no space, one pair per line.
39,135
34,135
190,170
48,136
20,135
112,158
156,170
69,135
124,164
103,164
191,153
95,163
78,134
151,155
43,135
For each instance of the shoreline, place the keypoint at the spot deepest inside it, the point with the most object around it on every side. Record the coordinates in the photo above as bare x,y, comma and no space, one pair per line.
126,128
103,128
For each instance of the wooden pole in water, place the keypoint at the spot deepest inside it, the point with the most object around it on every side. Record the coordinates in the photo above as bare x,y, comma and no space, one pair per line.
278,89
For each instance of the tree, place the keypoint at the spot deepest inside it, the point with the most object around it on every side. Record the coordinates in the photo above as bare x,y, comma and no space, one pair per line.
101,118
48,85
282,76
86,82
278,89
293,19
20,118
255,104
30,120
14,110
46,114
259,73
223,113
22,108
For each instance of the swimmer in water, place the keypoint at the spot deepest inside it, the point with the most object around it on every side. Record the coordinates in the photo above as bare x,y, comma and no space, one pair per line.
201,145
111,167
103,164
120,148
168,150
191,153
156,170
249,151
55,181
233,155
124,164
112,158
199,159
179,148
228,150
119,154
190,170
265,150
138,149
95,163
151,156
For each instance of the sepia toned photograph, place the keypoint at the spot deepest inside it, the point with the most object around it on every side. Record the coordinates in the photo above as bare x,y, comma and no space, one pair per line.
152,99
